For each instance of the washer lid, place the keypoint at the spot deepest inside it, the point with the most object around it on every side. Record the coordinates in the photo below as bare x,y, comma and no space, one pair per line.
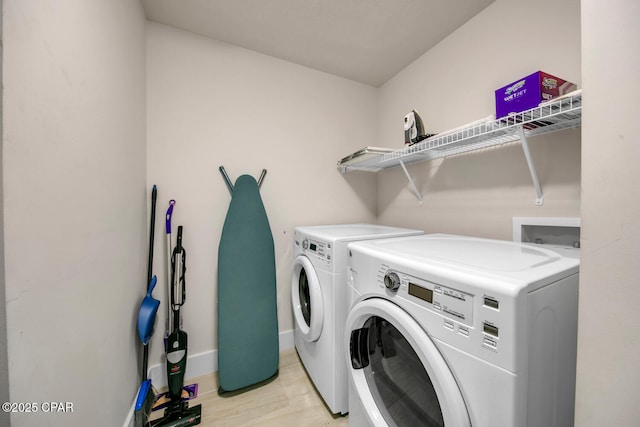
493,255
355,231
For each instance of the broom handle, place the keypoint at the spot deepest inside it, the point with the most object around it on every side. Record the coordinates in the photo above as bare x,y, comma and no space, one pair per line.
154,196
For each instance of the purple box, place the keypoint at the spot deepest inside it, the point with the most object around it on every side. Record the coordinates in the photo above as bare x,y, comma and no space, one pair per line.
529,92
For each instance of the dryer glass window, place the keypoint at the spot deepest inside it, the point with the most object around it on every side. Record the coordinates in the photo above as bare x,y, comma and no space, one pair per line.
397,379
305,297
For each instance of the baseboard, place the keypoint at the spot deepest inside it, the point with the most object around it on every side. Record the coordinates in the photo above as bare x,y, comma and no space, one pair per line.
128,422
197,365
206,363
285,340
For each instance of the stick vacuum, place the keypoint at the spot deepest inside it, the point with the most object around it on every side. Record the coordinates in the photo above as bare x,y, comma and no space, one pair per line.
178,413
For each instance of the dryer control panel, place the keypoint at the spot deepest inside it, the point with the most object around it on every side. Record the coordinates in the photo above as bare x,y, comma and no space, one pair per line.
447,301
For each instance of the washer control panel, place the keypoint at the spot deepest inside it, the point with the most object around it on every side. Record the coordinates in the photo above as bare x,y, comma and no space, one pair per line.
321,250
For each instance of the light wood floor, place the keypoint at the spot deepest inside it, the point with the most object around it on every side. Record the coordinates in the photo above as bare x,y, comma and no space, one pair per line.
290,399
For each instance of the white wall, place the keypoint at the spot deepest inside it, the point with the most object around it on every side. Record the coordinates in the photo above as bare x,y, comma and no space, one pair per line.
453,84
211,104
4,371
608,340
74,205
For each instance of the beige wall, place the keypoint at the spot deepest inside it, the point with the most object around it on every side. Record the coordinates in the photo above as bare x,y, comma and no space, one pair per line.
608,338
590,172
4,370
453,84
74,205
212,104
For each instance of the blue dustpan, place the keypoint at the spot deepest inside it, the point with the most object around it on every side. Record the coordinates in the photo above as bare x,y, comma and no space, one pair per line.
147,314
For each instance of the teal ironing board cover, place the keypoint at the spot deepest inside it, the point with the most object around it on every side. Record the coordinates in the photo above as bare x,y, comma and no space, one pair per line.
248,347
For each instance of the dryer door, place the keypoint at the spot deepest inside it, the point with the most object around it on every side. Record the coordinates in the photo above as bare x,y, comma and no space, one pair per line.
306,298
397,372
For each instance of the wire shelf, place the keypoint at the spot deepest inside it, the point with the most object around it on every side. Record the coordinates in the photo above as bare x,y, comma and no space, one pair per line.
559,113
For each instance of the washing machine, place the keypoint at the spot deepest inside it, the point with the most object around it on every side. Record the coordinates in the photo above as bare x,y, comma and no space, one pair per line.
319,301
460,331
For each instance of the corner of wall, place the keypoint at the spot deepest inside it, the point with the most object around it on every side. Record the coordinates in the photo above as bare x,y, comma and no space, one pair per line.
4,365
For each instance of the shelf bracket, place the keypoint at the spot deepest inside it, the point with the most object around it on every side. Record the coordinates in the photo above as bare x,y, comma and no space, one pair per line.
412,184
532,168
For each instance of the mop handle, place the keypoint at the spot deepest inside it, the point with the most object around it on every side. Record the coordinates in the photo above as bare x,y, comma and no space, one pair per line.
168,218
169,251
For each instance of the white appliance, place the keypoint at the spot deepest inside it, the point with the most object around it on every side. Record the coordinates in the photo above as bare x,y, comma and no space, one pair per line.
319,300
461,331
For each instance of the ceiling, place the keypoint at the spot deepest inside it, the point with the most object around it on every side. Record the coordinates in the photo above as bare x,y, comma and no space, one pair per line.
368,41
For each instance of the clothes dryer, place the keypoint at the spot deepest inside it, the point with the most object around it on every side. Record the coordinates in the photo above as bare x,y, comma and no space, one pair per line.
460,331
319,300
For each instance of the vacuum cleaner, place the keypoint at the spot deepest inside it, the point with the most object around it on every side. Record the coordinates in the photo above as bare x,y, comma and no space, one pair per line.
177,413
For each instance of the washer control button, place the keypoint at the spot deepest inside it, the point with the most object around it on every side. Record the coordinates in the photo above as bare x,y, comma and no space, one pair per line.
490,329
490,344
449,324
392,281
491,303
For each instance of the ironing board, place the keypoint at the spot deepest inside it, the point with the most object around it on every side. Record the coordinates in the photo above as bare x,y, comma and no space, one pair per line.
248,347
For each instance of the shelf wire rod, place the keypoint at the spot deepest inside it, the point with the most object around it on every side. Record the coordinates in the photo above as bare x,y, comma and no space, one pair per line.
532,168
412,184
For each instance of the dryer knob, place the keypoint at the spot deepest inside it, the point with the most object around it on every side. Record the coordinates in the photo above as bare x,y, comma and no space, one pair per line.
305,244
392,281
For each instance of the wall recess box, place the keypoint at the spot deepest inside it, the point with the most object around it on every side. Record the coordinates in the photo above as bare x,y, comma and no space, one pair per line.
552,231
